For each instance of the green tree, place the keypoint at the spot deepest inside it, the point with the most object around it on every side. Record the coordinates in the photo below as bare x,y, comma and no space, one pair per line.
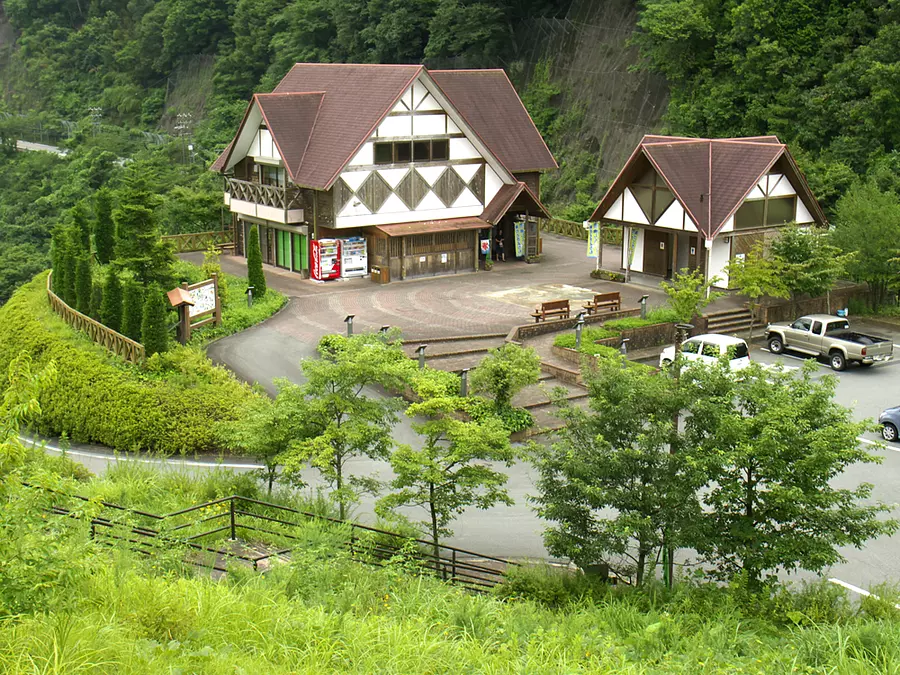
771,445
104,228
96,300
689,294
20,405
83,285
867,224
451,471
347,422
809,262
111,307
139,248
255,275
212,266
755,277
504,372
154,322
611,485
132,309
70,275
81,225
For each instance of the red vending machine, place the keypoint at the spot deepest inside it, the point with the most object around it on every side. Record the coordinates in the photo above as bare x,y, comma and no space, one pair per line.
326,259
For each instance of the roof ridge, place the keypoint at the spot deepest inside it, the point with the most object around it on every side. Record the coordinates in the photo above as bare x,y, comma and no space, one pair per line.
289,93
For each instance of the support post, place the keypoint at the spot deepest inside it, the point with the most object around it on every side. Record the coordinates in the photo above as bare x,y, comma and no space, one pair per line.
421,354
215,278
579,326
233,525
184,315
644,306
682,330
464,383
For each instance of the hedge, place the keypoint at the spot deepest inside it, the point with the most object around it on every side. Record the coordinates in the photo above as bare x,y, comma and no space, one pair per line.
172,405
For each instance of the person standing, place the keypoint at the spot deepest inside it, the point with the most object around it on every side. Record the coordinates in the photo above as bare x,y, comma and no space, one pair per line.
498,245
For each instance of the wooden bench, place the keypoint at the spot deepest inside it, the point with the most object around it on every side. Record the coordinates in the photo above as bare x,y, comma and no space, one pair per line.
610,301
554,308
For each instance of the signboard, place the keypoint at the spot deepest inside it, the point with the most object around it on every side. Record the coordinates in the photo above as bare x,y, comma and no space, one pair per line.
519,232
485,246
593,240
203,296
443,257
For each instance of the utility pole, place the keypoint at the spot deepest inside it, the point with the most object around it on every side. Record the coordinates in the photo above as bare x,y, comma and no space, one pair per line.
96,115
183,124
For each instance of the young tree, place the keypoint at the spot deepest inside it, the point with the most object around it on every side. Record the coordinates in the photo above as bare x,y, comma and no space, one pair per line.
81,226
689,294
132,309
610,483
154,328
450,472
69,275
504,372
111,307
268,429
771,444
104,228
18,405
96,300
255,275
756,276
346,423
867,224
809,262
138,246
83,285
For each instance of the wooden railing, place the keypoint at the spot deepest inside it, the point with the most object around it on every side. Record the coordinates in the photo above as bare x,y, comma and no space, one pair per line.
266,195
200,241
117,343
569,228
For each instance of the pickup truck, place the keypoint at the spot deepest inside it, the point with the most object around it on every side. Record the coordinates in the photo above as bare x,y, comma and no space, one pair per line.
826,335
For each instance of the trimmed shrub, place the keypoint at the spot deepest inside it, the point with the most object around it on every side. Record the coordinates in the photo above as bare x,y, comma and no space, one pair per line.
154,331
175,404
69,266
83,285
657,316
111,308
96,300
255,275
132,310
588,336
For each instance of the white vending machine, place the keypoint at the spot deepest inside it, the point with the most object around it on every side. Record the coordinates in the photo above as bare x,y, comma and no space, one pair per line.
354,258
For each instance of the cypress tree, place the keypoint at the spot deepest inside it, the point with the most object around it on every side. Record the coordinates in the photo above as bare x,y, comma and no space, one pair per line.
96,300
154,331
104,229
57,256
111,309
82,226
132,309
83,285
255,275
69,265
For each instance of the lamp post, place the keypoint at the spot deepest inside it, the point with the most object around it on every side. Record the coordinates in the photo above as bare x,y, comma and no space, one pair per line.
384,329
579,326
644,306
464,383
249,293
349,321
420,351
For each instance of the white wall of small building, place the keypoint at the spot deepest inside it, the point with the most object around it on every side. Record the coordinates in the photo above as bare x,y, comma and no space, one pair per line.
637,260
718,260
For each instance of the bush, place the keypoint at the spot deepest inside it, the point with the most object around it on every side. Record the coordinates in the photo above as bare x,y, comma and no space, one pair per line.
154,323
654,317
606,275
513,419
432,383
175,404
548,585
588,337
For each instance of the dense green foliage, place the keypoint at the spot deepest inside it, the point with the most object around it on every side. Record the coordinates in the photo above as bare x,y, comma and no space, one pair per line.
132,309
111,308
174,405
154,322
255,275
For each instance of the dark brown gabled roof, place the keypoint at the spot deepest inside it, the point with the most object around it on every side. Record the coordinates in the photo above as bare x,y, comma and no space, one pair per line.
711,177
506,198
291,119
490,105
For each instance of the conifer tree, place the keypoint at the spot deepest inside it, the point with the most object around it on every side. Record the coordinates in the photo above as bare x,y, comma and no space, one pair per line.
57,257
81,225
104,229
111,309
154,331
132,309
255,275
69,265
83,284
96,300
138,246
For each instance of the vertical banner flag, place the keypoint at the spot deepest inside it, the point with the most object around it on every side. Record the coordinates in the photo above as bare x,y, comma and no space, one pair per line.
485,247
593,240
632,244
520,238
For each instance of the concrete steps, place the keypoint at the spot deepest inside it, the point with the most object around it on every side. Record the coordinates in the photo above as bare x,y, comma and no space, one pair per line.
455,352
729,322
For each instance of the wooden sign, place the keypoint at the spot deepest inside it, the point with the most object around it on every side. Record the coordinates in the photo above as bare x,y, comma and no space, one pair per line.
196,301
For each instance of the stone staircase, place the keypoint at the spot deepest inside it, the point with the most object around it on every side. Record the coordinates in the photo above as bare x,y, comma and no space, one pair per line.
456,352
729,322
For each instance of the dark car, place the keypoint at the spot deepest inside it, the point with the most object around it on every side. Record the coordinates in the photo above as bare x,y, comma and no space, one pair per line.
890,422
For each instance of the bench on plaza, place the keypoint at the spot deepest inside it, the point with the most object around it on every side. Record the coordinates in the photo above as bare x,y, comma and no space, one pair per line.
553,308
608,301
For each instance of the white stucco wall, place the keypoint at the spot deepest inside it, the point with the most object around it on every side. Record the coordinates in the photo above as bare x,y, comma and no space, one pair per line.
718,259
637,262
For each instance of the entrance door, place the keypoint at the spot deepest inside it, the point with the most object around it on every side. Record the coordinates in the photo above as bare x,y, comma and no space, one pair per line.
300,261
656,252
283,249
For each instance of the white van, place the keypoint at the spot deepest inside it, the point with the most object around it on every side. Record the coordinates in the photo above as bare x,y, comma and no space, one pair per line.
707,349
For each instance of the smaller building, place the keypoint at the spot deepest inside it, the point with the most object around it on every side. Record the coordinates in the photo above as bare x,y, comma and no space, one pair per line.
688,203
422,165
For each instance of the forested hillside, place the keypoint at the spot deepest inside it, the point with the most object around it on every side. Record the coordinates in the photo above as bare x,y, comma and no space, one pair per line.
596,75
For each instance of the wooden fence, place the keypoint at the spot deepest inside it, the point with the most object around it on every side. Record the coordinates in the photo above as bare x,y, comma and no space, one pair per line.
200,241
117,343
569,228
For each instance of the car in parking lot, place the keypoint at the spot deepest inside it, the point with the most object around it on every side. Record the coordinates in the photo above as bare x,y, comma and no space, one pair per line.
890,422
831,337
708,349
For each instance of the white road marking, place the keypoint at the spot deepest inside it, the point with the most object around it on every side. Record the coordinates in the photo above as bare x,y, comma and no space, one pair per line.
878,443
795,357
140,460
856,589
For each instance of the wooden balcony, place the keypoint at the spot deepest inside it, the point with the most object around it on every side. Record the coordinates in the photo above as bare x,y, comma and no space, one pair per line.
269,202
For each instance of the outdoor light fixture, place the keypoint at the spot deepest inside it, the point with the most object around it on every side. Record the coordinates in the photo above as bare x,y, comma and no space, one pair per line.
349,322
644,306
464,385
421,352
249,293
384,329
579,326
623,346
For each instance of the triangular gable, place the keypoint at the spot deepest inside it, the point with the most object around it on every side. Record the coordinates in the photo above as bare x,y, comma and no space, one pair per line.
736,171
291,119
684,166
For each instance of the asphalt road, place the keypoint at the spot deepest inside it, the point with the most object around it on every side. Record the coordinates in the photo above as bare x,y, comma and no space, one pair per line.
268,351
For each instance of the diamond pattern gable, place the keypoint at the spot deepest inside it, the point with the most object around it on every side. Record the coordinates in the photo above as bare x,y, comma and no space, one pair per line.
449,186
374,192
412,189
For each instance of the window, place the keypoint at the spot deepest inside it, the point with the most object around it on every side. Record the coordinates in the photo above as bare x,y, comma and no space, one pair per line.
738,351
780,210
690,347
802,324
750,215
817,327
711,351
834,326
403,152
271,175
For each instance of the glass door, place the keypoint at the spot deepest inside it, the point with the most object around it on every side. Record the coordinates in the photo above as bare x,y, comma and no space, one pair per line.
301,252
